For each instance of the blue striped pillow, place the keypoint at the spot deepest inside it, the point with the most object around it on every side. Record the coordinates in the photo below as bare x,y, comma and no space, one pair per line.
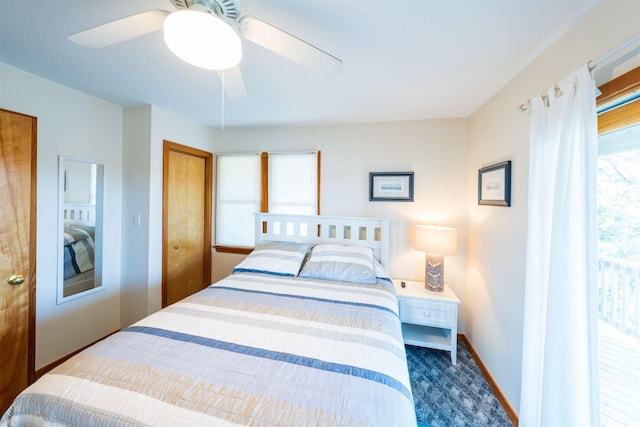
279,258
339,262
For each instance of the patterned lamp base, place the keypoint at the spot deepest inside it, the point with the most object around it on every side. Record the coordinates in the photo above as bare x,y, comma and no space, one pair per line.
434,273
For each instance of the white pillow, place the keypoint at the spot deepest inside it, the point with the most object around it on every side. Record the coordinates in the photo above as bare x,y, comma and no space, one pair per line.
342,263
279,258
381,272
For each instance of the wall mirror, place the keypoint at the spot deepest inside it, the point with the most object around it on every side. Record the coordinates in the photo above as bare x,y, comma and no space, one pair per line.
80,227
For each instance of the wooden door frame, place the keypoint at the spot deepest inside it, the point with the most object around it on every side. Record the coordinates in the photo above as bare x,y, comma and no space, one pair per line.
169,147
31,356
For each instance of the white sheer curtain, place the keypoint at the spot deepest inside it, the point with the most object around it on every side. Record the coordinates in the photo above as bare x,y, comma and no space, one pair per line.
560,354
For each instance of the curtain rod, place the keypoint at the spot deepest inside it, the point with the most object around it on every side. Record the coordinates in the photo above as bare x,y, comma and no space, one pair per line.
594,64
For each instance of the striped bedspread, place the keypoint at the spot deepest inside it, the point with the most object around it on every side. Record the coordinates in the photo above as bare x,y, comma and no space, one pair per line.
253,349
78,249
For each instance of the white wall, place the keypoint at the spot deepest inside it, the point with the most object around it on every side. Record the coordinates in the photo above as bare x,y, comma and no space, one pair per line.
70,123
497,235
130,144
144,132
435,150
135,201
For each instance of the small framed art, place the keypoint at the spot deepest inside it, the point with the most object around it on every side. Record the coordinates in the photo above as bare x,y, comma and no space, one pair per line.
391,186
494,184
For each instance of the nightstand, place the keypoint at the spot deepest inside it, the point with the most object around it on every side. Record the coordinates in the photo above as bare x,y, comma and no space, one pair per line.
429,319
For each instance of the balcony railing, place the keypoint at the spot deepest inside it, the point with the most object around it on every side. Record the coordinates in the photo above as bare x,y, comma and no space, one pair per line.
619,289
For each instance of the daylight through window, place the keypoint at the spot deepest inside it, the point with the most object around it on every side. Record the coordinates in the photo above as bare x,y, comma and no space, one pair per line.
287,182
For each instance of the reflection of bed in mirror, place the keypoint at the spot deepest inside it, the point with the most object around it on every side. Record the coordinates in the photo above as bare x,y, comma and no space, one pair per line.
79,247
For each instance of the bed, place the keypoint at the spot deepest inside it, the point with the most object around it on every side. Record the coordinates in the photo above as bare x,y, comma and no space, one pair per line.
79,239
304,332
79,246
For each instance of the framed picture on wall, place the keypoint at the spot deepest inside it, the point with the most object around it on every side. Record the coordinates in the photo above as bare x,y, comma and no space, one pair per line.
391,186
494,184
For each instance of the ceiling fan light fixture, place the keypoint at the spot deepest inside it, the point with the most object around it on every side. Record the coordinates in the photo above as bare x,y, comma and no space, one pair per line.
202,39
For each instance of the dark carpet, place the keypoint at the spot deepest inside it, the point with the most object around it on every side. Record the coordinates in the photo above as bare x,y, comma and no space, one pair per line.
452,396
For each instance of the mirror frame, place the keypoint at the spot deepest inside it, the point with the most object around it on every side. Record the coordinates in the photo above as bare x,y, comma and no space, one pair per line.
99,229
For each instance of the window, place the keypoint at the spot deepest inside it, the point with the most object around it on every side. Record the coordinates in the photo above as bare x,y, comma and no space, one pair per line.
238,198
618,181
293,183
262,182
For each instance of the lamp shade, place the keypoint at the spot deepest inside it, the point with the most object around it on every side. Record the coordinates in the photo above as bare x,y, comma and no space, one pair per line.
437,240
202,39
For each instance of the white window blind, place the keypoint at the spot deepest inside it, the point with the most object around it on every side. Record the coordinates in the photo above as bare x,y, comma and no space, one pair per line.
293,183
238,198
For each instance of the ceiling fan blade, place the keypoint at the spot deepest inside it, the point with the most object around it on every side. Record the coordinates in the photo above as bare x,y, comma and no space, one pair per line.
234,85
289,46
120,30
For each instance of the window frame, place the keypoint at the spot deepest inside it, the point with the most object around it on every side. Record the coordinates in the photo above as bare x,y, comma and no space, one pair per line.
617,105
232,248
264,194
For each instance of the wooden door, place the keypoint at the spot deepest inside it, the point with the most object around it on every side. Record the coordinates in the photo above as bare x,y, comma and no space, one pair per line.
17,253
186,236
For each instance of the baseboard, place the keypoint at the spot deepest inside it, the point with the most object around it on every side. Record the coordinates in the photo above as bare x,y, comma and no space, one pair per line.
511,413
40,372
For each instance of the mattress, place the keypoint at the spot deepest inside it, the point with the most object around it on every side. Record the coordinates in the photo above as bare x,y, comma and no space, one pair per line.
253,349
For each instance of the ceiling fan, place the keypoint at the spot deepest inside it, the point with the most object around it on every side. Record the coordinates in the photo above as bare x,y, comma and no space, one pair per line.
206,33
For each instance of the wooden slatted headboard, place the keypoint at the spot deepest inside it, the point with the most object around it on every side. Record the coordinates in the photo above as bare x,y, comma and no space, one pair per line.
339,230
79,214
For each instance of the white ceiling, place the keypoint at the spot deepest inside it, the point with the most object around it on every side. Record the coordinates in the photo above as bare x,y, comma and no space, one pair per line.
402,60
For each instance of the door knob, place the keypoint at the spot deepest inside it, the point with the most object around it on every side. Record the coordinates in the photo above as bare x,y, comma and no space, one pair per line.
15,279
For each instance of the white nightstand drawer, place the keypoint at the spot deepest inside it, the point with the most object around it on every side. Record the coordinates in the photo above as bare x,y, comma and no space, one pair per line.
426,313
429,319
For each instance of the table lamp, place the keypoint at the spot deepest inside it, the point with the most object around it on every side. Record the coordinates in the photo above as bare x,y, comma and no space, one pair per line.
436,242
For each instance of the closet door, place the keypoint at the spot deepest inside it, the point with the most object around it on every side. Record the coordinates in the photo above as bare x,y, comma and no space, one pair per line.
186,222
17,253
